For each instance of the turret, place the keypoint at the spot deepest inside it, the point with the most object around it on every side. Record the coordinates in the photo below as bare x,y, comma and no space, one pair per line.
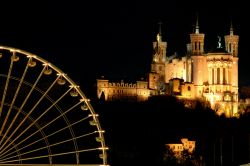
197,40
160,48
198,59
231,42
157,74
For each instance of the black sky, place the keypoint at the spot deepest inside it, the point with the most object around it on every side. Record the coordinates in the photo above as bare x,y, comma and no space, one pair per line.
114,38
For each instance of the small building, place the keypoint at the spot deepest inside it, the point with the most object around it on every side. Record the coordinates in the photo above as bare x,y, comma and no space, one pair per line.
179,147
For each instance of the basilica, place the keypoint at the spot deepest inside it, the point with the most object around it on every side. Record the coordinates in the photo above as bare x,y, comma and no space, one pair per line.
197,75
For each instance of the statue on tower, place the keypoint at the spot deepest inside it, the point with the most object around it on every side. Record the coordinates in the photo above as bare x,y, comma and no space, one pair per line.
219,42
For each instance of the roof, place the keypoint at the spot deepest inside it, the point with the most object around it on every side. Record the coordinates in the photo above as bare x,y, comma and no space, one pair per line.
218,50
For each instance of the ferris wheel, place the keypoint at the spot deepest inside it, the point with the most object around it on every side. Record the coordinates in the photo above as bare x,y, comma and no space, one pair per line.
45,118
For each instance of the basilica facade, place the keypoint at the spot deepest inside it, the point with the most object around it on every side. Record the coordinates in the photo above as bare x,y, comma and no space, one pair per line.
198,75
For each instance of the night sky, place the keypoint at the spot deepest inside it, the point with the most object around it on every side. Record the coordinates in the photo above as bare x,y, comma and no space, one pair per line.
114,38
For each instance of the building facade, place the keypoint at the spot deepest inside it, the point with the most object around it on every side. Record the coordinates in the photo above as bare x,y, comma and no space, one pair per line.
112,91
178,148
210,76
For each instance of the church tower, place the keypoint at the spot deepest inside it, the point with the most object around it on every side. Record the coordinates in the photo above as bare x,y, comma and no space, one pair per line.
197,41
231,44
157,74
198,60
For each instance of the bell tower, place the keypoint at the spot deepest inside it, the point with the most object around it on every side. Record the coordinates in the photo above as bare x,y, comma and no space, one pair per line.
157,74
231,42
160,49
197,41
198,60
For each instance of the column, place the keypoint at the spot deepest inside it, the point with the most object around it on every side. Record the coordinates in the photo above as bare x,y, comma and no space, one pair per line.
209,76
221,75
215,76
226,75
229,76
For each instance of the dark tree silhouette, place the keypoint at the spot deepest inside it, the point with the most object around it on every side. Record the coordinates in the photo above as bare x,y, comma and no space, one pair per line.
136,132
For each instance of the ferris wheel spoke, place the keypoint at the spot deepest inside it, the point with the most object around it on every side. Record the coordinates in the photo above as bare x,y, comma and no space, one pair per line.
31,111
34,121
14,98
16,151
6,85
28,137
15,145
64,128
20,109
41,115
53,155
41,128
46,142
40,125
41,148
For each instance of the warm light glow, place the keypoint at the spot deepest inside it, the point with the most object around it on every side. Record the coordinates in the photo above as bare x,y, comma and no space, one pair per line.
94,115
208,76
100,131
185,144
103,148
31,56
211,99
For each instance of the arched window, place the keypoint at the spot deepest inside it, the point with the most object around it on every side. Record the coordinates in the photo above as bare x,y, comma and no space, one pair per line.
212,76
218,75
224,76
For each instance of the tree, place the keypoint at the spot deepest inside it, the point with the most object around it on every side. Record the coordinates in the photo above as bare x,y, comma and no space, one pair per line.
169,157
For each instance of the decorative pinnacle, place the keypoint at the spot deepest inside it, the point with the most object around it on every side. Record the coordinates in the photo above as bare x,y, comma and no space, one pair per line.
231,29
160,23
159,33
197,24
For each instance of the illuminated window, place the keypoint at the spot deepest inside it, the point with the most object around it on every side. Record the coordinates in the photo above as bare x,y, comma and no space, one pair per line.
224,76
227,98
218,75
212,76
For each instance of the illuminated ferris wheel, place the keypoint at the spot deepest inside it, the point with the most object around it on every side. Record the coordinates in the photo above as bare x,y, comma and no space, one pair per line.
45,119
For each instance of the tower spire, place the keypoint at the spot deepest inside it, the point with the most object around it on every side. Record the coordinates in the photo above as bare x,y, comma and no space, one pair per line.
231,29
160,23
197,39
197,24
159,37
231,41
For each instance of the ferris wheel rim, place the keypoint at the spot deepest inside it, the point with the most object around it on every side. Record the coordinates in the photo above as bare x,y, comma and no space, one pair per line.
72,84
